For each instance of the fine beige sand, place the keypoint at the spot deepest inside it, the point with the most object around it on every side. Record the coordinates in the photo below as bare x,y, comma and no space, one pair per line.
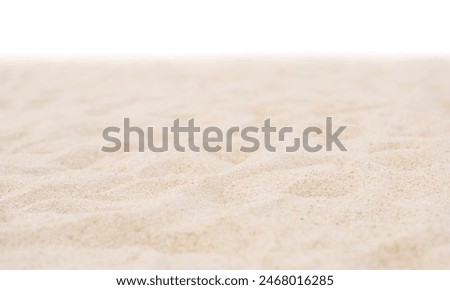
384,204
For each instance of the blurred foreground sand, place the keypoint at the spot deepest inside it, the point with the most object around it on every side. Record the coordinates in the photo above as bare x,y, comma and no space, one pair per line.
384,204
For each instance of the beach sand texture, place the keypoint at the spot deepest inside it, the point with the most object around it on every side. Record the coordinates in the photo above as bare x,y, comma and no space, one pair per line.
384,204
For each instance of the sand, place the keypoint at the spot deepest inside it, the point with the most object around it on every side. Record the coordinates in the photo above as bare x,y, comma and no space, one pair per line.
383,204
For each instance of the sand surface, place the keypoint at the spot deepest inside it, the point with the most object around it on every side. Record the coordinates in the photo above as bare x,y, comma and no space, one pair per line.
384,204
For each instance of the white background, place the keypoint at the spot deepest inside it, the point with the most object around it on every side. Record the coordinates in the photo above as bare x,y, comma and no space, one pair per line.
172,28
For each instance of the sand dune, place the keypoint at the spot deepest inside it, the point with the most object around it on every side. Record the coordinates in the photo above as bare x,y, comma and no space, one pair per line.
383,204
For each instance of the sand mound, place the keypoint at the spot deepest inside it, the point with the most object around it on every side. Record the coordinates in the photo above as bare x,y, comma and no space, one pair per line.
383,204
